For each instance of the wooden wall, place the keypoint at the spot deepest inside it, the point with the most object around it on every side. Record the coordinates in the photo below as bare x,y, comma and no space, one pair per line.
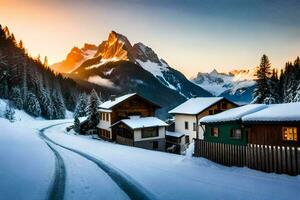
270,134
133,106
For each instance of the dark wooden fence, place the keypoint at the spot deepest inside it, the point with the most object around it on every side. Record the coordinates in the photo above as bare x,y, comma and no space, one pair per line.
278,159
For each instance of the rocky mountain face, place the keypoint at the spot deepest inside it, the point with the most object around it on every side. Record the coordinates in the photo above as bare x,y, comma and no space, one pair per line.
118,65
236,85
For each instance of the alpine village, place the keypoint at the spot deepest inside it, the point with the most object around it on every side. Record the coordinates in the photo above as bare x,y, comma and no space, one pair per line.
119,107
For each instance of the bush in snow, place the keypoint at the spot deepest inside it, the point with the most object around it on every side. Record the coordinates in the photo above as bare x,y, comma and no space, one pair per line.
32,105
9,113
92,109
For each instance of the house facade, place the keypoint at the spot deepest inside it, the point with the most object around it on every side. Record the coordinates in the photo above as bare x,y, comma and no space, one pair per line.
143,132
188,114
120,108
227,127
277,125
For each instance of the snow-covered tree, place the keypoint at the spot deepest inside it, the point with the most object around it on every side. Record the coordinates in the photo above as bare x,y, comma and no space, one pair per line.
92,109
81,106
32,105
46,104
16,98
9,113
297,96
76,125
262,78
58,105
274,89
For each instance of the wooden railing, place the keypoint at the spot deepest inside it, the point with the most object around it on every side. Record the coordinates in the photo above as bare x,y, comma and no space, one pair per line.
278,159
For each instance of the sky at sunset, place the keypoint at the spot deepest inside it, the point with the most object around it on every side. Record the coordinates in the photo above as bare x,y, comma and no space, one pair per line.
191,35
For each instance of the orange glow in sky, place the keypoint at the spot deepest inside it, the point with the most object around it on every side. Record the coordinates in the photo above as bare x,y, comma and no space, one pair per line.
189,41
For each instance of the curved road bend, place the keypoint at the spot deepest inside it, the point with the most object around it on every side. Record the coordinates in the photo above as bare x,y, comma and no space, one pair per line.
133,190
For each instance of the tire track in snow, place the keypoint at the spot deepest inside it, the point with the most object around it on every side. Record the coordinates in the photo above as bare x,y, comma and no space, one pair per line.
57,188
128,185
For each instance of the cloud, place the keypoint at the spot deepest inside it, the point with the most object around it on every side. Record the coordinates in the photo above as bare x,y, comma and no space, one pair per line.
102,82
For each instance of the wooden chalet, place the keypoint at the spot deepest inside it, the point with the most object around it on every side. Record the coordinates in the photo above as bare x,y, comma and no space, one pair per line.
143,132
119,108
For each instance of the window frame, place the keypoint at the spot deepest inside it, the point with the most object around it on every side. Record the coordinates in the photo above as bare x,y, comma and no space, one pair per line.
233,131
194,126
186,125
212,132
152,136
294,139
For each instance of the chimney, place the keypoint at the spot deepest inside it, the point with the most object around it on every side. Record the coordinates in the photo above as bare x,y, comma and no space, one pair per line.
112,97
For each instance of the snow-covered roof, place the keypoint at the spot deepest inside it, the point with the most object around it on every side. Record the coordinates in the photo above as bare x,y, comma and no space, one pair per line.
109,104
174,134
194,106
104,110
142,122
233,114
286,112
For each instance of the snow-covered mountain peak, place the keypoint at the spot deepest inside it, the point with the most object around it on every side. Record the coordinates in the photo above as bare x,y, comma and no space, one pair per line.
232,83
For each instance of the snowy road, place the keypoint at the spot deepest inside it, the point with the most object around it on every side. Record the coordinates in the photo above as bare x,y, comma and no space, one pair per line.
132,190
169,176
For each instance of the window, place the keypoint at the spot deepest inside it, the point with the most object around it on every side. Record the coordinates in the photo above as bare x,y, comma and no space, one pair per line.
186,125
214,132
289,134
236,133
107,116
149,132
155,145
194,126
210,112
224,106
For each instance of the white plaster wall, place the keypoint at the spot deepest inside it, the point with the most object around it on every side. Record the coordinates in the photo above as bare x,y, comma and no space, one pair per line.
138,134
180,126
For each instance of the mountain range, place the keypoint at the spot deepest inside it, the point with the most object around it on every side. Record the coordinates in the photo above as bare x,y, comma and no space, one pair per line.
118,65
237,85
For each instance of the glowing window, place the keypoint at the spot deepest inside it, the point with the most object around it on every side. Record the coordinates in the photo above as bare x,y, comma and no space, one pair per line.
289,134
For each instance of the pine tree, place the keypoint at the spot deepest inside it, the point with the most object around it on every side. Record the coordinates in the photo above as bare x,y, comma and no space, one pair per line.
262,91
16,98
274,89
32,105
297,96
76,125
80,110
92,109
46,64
46,104
59,109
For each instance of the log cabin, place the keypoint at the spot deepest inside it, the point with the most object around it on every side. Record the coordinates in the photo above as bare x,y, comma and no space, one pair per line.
120,108
277,125
188,114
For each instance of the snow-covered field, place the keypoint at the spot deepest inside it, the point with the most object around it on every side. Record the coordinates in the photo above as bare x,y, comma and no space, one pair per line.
28,165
